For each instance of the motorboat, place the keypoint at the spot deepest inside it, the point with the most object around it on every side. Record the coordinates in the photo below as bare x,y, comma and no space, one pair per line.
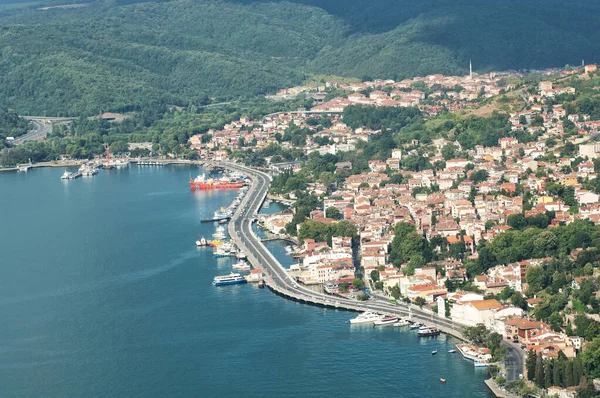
201,242
428,332
387,320
241,266
433,352
366,317
452,351
402,322
415,325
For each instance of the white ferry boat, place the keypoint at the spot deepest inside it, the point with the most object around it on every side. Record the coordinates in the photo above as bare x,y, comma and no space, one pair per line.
231,279
366,317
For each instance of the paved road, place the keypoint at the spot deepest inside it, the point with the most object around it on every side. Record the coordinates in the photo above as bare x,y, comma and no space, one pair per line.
240,230
39,132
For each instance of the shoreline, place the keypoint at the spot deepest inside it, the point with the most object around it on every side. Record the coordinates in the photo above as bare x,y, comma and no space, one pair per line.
75,163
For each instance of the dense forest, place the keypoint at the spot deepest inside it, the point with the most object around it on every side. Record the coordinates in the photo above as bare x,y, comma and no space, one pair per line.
122,56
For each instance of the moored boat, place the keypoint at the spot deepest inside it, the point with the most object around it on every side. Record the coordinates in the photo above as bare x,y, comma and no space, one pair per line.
201,242
387,320
402,322
428,332
241,266
415,325
231,279
203,183
366,317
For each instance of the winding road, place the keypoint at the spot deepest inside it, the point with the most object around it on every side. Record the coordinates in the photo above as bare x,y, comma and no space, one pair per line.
279,280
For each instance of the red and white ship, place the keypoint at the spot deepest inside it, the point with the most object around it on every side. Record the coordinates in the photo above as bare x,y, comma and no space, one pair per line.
201,182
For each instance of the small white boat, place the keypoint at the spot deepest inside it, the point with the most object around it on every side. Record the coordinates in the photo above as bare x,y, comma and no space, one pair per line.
201,242
452,351
402,322
415,325
387,320
433,352
241,266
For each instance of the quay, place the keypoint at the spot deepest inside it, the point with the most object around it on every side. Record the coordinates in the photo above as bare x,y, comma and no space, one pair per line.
281,283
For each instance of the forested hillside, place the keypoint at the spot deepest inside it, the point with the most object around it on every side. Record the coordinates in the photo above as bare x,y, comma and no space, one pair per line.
127,55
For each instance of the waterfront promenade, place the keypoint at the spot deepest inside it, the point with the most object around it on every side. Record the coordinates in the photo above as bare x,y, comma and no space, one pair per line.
280,282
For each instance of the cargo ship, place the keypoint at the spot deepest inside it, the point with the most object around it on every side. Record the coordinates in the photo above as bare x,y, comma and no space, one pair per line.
201,182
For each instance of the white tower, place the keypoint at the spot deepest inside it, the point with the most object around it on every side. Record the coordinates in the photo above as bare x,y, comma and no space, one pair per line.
470,69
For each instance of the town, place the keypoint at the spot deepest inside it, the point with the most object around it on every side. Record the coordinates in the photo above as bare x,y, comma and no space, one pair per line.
500,233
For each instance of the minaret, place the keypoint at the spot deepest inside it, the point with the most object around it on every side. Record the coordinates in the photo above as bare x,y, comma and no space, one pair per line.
470,70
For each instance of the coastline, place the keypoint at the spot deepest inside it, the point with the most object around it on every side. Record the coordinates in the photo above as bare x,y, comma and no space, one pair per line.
75,163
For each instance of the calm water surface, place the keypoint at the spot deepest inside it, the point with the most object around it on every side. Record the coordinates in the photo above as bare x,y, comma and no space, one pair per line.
103,293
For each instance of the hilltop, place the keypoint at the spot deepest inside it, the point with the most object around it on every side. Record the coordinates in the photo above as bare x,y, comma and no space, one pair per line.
123,56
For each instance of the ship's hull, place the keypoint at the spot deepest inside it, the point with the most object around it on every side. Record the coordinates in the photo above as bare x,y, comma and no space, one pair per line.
205,186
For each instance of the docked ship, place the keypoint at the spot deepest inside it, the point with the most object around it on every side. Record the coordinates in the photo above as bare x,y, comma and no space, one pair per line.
201,182
231,279
366,317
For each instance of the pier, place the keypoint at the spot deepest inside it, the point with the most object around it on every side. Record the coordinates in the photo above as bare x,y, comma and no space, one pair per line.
280,282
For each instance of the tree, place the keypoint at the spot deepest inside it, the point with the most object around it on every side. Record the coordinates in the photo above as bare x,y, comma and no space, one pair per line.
547,374
449,151
591,358
518,300
333,212
375,275
539,371
479,176
358,283
420,301
530,363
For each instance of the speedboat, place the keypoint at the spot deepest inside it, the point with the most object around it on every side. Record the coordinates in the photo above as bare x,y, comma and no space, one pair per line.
366,317
433,352
415,325
387,320
452,351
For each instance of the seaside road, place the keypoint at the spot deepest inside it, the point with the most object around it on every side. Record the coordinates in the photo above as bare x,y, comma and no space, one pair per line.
279,280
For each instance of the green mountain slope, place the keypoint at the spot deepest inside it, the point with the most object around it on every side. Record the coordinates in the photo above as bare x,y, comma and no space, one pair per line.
112,56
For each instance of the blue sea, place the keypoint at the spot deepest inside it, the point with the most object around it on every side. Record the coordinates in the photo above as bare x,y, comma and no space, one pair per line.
103,293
